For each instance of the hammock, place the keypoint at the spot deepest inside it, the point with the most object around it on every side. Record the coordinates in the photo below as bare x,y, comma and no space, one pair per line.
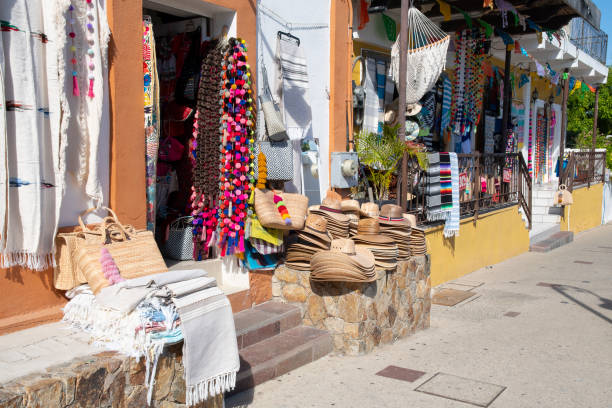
427,46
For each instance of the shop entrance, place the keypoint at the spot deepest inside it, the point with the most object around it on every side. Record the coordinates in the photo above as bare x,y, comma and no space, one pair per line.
177,37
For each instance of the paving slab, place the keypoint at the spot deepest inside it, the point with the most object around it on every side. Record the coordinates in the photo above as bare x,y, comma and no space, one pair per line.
461,389
450,297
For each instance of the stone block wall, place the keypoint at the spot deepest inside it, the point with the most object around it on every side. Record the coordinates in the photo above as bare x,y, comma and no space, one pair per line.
103,380
361,316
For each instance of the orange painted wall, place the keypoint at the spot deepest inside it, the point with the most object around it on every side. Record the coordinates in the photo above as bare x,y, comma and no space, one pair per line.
27,297
341,49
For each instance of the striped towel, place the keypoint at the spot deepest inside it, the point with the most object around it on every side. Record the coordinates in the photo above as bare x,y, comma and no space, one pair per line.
432,189
446,102
451,226
446,188
381,77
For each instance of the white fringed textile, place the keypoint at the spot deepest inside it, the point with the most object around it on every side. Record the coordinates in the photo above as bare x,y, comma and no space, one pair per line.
31,150
426,59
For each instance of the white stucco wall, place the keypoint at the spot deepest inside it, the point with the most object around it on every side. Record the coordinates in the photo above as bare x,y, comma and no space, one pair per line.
315,43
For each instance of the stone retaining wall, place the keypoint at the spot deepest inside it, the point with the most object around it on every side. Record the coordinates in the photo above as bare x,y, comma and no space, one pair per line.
103,380
360,316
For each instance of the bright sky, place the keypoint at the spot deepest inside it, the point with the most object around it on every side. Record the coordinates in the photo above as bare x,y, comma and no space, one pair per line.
606,24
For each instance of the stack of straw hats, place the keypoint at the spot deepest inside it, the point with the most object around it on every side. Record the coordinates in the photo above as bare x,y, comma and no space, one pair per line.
395,226
418,246
350,208
312,239
383,248
343,263
337,222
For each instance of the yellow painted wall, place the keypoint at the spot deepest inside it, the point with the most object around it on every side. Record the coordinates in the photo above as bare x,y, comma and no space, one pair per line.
585,213
496,236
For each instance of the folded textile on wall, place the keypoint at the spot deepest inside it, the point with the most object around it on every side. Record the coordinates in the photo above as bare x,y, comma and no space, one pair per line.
138,317
451,226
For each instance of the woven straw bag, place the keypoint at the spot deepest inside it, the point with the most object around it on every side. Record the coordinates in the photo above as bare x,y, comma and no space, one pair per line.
135,253
268,214
563,197
66,274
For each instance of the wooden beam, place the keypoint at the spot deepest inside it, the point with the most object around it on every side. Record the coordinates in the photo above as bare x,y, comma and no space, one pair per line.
507,94
563,124
402,189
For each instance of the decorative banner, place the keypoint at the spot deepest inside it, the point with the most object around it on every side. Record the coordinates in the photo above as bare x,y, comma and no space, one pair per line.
390,27
524,79
572,81
539,69
445,9
487,3
504,36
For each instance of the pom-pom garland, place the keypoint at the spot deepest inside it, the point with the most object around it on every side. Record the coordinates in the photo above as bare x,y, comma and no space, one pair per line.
237,132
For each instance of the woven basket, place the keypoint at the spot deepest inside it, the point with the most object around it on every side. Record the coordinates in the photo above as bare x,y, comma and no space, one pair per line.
66,274
268,214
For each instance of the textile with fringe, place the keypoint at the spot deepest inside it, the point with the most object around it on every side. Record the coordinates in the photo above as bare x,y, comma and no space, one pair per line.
451,226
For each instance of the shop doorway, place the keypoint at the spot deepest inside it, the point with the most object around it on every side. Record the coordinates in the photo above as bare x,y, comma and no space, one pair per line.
183,32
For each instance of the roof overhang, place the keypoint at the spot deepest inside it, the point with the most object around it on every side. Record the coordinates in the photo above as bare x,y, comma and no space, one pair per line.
549,14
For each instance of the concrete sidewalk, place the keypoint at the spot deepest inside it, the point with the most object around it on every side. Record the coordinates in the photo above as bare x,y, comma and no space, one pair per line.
538,333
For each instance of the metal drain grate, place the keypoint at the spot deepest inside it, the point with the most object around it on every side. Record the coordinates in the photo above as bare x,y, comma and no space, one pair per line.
584,262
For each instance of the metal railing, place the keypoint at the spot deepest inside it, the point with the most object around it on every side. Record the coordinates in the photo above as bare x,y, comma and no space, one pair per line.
583,168
487,182
589,39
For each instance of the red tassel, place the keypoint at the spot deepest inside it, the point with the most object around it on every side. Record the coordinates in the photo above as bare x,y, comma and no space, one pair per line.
90,93
75,86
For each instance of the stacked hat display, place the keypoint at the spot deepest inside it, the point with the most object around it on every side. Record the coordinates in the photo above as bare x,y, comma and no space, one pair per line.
344,262
383,248
331,210
369,210
312,239
350,208
395,226
418,246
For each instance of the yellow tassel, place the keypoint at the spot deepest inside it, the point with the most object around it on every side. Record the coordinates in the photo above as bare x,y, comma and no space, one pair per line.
262,169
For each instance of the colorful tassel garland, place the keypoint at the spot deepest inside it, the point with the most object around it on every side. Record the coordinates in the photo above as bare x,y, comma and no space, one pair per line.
282,209
109,267
90,93
75,86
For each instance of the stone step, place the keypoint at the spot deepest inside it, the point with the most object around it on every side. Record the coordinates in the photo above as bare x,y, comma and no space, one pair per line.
556,240
265,321
280,354
540,232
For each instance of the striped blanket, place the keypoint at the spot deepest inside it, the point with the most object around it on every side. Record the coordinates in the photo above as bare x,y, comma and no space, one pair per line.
451,226
446,188
432,188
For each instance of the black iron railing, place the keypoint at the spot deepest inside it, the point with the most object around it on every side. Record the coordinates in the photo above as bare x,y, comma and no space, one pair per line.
487,182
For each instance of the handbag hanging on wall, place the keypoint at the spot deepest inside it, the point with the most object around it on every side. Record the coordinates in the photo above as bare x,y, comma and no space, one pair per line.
276,146
179,245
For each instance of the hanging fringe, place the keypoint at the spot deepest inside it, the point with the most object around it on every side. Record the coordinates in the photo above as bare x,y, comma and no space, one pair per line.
209,388
437,216
35,262
75,86
90,93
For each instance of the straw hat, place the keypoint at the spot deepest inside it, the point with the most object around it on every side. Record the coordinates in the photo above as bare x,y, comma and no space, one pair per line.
391,214
316,226
411,218
349,206
331,208
368,230
343,262
370,210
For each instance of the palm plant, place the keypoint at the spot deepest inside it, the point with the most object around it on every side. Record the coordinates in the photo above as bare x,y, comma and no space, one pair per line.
382,153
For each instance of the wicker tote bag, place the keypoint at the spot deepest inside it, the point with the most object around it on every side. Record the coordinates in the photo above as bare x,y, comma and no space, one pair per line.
66,273
135,253
268,215
179,245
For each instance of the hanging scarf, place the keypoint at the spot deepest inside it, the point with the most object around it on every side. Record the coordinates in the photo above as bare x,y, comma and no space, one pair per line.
32,167
151,116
